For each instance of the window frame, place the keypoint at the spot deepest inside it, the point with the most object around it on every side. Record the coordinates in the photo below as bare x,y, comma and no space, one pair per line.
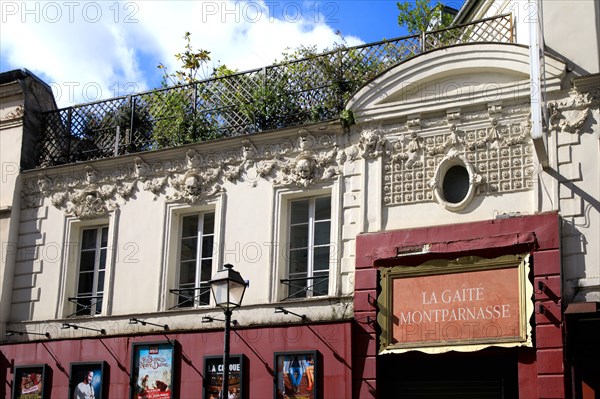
70,265
279,247
169,277
200,235
311,223
98,247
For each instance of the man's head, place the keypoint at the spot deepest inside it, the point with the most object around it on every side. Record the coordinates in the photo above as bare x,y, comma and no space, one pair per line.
88,377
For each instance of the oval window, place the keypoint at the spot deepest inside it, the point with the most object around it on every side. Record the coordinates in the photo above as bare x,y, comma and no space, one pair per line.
455,185
454,182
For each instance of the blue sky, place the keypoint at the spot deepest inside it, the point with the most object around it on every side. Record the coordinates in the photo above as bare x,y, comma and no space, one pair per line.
92,50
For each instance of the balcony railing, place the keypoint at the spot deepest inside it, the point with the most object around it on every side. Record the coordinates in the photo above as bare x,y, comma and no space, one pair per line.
303,91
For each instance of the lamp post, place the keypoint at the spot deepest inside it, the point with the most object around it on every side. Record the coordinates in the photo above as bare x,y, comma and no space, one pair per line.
228,288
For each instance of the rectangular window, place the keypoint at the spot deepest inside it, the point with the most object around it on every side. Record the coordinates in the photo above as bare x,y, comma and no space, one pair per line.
92,271
309,247
195,260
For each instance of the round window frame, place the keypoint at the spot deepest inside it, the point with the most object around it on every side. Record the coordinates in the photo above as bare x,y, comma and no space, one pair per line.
439,176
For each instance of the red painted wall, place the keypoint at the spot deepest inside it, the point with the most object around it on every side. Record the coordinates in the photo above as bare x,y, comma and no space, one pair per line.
258,344
541,369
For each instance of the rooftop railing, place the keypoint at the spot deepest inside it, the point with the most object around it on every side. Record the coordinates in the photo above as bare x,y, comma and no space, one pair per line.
307,90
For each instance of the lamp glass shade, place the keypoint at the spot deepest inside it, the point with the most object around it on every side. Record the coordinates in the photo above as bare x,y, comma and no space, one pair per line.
228,288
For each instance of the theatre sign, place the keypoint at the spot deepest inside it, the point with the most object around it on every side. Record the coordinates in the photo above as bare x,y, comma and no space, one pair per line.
465,304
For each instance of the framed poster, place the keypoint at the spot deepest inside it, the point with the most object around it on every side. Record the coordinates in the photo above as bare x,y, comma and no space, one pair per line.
87,380
152,370
29,382
213,377
296,375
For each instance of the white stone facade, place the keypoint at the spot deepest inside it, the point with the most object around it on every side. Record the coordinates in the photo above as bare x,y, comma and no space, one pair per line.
464,105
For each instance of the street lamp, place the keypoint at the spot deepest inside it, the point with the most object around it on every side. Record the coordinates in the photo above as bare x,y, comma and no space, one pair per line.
228,288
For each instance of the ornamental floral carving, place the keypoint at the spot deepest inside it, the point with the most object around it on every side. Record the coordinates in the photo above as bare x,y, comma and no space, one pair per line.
570,122
499,152
88,195
568,115
16,113
193,178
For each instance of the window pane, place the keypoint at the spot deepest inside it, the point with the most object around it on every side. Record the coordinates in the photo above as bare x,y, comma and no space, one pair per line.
206,272
207,246
320,284
100,282
87,261
299,236
187,272
86,283
204,295
321,258
188,248
297,289
185,299
209,223
104,238
98,304
102,264
189,226
83,307
299,211
298,261
322,236
323,208
88,240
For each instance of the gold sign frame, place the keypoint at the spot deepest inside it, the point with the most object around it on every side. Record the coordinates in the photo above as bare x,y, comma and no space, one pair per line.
440,268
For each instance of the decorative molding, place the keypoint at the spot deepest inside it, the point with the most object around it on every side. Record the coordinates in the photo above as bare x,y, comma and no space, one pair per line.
16,113
499,150
196,177
568,115
498,155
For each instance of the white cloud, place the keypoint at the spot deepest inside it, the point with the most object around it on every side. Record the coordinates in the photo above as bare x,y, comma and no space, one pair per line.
94,50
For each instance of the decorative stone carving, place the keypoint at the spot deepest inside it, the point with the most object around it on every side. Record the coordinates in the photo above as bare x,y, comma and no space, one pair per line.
453,116
372,143
570,123
494,110
16,113
413,123
85,196
500,155
306,141
304,170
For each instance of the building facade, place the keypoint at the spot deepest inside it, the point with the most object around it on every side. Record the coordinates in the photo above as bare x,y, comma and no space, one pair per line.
442,244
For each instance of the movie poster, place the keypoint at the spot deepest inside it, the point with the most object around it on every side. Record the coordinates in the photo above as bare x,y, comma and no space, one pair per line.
29,382
87,380
213,377
297,375
153,371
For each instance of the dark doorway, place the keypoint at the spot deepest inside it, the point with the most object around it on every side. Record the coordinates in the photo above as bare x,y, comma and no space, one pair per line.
584,352
486,374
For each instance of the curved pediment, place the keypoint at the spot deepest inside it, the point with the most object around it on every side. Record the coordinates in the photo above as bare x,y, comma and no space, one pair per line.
463,75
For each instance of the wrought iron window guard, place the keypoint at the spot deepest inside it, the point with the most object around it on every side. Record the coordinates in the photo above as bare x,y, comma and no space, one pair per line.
308,90
301,289
188,299
81,302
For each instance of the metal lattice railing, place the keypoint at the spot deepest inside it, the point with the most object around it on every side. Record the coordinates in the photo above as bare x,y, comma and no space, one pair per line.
307,90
